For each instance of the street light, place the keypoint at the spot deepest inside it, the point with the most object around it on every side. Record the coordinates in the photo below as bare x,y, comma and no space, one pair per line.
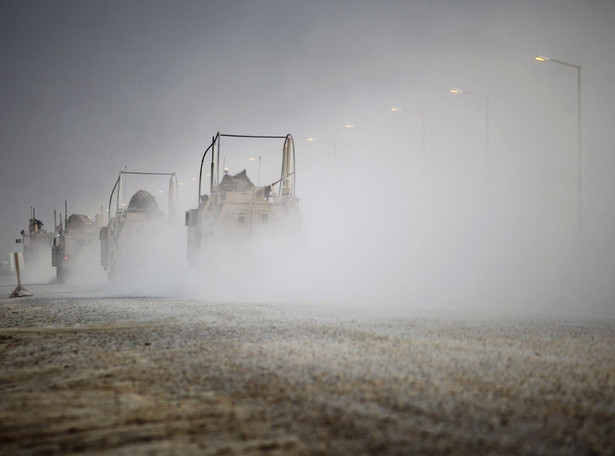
358,127
313,139
260,159
258,178
330,143
542,58
455,91
423,121
486,98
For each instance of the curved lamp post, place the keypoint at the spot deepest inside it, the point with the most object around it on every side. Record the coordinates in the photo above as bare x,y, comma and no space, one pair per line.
486,98
358,127
330,143
423,124
542,58
258,177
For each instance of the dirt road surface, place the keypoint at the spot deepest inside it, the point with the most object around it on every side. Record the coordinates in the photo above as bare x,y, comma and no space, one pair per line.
84,374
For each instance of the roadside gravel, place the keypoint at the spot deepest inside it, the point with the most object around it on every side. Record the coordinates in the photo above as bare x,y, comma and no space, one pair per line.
87,374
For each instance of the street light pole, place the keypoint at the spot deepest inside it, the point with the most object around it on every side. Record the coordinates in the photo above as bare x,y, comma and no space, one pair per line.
258,176
487,178
541,58
486,98
330,143
358,127
267,162
423,123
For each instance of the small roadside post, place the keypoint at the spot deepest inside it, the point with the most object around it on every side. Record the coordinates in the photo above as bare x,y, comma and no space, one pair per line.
20,291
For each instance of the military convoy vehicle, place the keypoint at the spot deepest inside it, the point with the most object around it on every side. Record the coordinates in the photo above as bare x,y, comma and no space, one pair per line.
75,246
233,213
136,232
36,244
235,210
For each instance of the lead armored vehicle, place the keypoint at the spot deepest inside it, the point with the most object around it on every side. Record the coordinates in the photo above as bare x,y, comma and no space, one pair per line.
236,211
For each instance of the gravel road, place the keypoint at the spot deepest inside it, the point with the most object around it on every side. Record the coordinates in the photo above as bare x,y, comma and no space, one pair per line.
87,374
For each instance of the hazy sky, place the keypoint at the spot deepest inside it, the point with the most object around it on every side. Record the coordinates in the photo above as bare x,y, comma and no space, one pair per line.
91,87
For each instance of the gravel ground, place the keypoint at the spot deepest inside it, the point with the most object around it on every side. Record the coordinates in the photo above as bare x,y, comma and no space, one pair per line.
85,374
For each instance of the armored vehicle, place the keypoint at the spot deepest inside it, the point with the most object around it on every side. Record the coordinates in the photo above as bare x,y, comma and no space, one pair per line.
37,243
137,233
75,247
236,211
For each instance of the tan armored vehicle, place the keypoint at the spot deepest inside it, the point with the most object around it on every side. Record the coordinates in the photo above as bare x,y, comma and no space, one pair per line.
236,211
139,230
75,247
37,244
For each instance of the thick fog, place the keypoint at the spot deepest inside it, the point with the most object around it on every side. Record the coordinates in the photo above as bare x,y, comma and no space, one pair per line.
451,201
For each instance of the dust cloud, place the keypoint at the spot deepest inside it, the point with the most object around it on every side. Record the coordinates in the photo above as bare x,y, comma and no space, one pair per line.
496,198
386,238
89,274
155,266
400,233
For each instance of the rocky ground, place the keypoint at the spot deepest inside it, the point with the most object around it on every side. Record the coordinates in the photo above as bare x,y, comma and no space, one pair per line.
84,374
